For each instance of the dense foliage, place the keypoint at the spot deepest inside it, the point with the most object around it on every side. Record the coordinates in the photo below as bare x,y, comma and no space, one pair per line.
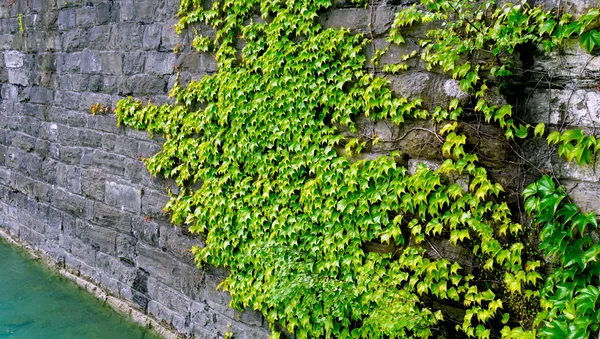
292,218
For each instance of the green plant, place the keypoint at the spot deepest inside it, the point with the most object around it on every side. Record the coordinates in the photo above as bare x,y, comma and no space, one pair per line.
20,22
571,308
293,219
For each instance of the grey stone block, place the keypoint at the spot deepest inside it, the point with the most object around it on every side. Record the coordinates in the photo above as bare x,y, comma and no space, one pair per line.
125,246
66,18
98,37
85,16
142,84
153,202
6,41
107,216
13,59
18,77
151,39
40,95
355,19
105,11
126,146
169,38
99,238
133,63
160,63
123,196
160,312
146,229
209,64
72,62
126,37
157,263
90,62
111,163
168,297
83,251
92,183
69,202
70,155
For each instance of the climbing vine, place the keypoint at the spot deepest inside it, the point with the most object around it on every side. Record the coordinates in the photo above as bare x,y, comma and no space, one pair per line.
294,219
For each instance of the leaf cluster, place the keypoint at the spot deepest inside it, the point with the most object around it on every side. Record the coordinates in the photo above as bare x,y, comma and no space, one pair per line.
257,152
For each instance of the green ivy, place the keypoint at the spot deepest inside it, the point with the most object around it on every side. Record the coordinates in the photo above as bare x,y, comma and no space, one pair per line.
294,220
571,308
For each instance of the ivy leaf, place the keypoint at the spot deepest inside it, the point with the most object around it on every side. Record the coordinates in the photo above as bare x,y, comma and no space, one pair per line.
545,186
547,27
568,211
539,129
589,40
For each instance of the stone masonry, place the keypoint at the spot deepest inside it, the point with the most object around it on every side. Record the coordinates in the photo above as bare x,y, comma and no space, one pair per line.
74,188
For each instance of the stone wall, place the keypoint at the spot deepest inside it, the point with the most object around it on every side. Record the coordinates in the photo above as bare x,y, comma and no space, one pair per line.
72,184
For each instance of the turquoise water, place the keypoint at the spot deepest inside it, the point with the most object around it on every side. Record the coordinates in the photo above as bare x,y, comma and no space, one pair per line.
35,303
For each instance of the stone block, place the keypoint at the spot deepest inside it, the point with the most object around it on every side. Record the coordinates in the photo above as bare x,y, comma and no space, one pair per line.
111,163
126,36
153,202
107,216
133,63
151,39
69,202
10,92
90,138
18,77
41,95
159,63
123,196
125,246
209,63
93,183
99,238
145,229
98,37
69,177
585,194
160,312
83,252
178,244
13,59
142,84
6,41
127,147
168,297
355,19
190,280
85,16
77,119
115,269
105,11
127,12
70,155
159,264
169,38
66,19
188,62
105,123
216,296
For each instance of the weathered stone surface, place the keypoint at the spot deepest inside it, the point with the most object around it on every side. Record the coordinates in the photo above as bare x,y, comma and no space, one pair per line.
123,196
